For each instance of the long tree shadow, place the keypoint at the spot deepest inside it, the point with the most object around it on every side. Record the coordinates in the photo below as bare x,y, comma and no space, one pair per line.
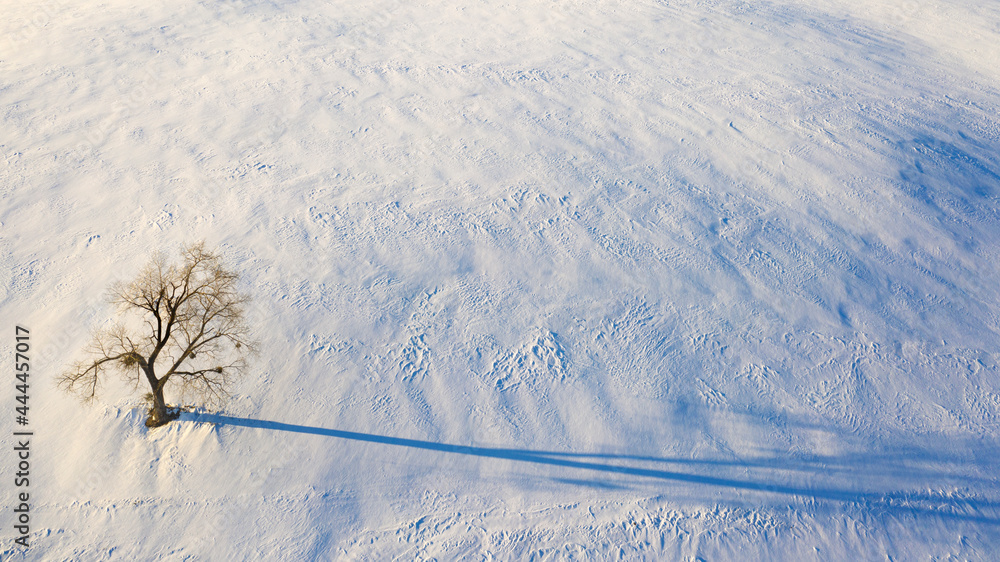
911,502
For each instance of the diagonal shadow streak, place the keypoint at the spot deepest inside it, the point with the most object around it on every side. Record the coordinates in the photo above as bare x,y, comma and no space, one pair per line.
917,503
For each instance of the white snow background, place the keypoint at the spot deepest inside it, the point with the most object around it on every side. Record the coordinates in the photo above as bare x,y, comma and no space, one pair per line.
535,279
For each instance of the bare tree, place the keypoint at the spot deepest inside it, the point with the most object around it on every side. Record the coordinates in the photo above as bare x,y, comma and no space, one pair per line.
178,322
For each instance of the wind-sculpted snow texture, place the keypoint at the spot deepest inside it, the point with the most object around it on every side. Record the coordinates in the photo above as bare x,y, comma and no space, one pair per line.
563,279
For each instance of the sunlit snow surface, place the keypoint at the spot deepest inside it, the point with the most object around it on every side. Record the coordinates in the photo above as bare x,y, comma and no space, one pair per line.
534,279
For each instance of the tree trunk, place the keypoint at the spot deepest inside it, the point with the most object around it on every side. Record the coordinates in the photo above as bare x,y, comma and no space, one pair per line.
158,412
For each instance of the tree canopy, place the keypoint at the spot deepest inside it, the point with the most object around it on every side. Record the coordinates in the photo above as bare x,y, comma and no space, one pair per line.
182,322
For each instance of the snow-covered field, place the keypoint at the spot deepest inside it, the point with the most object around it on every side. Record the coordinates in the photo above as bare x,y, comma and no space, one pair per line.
535,279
